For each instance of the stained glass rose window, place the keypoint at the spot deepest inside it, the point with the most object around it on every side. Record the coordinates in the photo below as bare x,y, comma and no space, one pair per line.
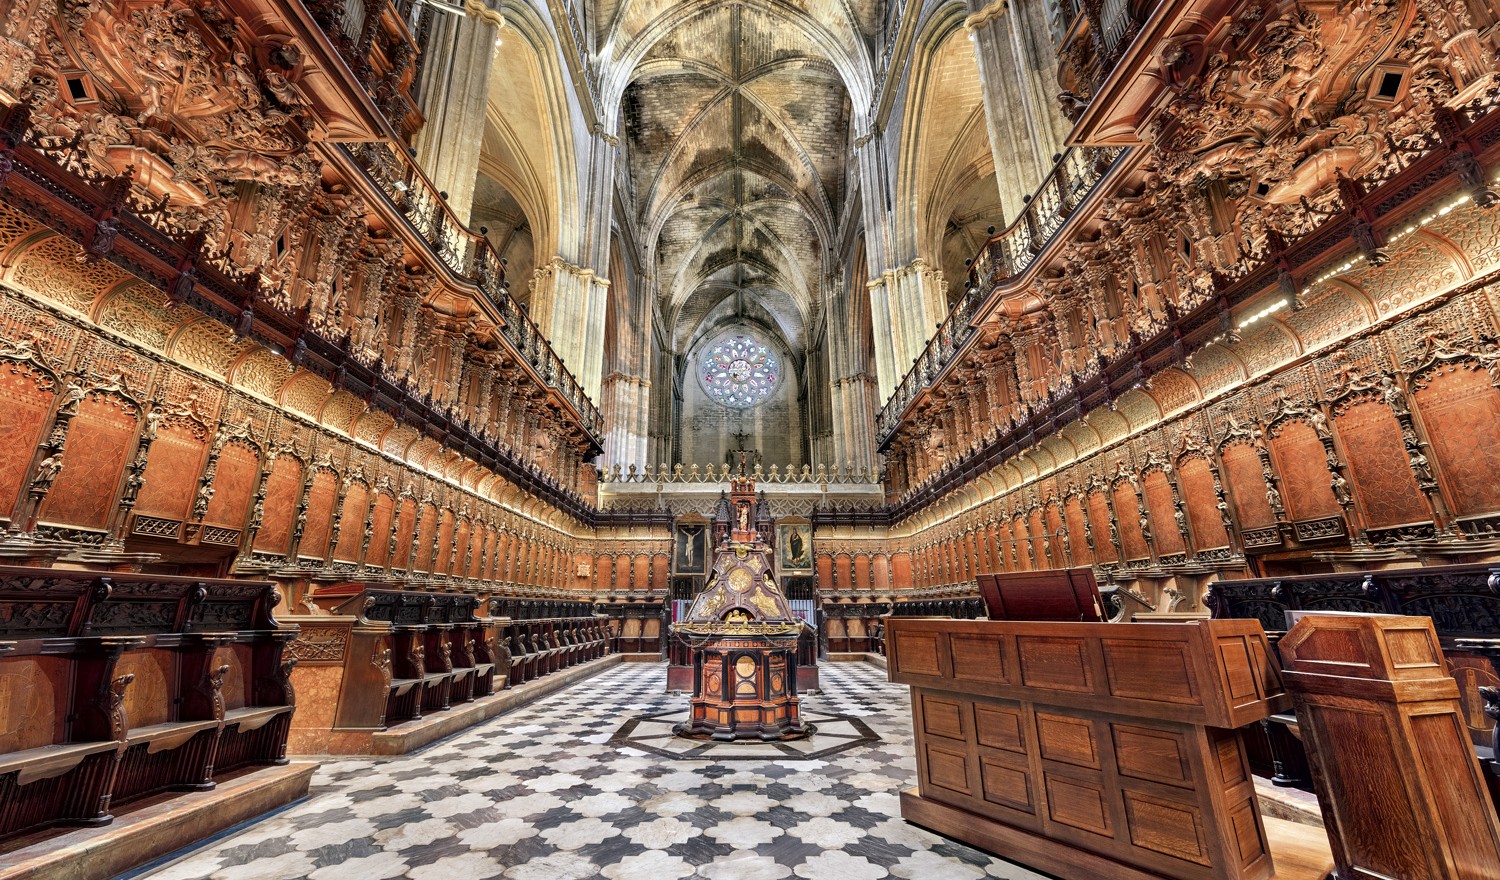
739,372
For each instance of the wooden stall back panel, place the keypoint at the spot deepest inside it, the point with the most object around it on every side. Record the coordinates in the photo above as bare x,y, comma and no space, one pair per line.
1099,518
422,560
1022,534
1245,487
406,524
172,469
283,487
25,400
1387,491
352,523
1300,463
320,501
901,567
1163,514
239,679
1132,541
461,533
101,439
478,538
1196,482
1459,405
1037,531
380,531
1077,532
366,677
148,699
234,487
31,690
1055,529
445,544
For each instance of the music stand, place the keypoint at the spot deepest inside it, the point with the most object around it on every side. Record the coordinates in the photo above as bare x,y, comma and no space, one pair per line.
1062,594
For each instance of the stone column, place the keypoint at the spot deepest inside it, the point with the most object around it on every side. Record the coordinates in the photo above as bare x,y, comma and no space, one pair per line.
568,304
452,95
1018,77
911,302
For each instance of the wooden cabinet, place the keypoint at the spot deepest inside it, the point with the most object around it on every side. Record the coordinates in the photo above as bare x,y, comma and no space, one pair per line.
1090,749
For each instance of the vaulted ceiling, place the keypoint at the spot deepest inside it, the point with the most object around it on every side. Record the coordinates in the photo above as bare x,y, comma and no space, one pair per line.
737,148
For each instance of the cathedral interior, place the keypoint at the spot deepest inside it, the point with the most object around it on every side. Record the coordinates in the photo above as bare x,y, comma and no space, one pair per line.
833,439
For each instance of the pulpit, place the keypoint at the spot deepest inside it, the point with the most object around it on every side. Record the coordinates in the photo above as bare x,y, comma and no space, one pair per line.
744,638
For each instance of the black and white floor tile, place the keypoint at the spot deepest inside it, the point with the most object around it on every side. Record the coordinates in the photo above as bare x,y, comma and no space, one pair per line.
544,794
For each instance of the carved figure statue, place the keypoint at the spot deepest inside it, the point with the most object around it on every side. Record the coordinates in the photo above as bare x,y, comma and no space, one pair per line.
1273,496
71,397
1421,468
1393,395
46,473
1341,489
1319,424
1489,357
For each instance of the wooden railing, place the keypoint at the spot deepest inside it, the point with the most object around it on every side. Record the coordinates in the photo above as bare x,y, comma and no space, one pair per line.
1005,256
470,256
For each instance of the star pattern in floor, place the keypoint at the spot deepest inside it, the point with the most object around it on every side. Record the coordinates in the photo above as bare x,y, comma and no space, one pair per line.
543,794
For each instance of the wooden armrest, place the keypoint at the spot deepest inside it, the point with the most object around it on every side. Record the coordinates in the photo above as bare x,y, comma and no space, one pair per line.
163,737
45,762
253,717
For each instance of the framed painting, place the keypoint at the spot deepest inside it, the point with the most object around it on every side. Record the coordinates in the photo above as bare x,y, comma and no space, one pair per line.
794,554
690,551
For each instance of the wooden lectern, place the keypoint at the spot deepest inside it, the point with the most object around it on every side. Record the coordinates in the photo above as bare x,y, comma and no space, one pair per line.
1400,789
1090,750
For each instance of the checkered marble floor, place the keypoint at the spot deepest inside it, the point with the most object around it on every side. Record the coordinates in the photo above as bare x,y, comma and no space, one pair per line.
542,794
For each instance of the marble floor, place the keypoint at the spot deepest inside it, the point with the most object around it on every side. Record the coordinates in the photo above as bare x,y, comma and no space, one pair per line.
559,791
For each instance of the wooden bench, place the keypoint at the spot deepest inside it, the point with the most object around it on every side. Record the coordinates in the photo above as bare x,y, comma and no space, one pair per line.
547,636
424,627
115,687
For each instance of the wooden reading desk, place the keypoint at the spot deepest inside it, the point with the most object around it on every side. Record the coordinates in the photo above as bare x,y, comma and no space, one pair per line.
1094,750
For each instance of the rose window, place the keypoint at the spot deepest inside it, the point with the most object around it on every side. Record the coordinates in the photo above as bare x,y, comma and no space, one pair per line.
740,372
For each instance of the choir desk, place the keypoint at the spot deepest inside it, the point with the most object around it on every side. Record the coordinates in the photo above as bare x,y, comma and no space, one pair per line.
1091,750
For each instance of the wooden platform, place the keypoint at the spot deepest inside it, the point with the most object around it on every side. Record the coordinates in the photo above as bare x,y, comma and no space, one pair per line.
155,828
1300,852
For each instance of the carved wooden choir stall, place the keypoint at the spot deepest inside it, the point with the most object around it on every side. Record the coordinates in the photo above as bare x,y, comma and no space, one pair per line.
115,687
1459,599
381,655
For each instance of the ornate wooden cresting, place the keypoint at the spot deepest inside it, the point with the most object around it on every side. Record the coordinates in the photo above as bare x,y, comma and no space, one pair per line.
1090,750
744,639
